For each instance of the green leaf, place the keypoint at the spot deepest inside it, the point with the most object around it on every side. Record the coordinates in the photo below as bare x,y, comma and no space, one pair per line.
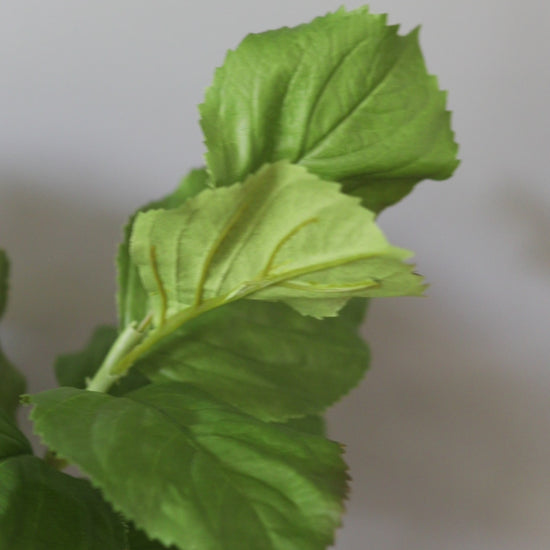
12,382
132,298
12,385
282,235
4,279
345,96
75,369
313,424
194,472
138,540
43,509
264,358
12,440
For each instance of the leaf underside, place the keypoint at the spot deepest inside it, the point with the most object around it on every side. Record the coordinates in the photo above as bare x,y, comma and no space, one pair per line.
282,235
132,298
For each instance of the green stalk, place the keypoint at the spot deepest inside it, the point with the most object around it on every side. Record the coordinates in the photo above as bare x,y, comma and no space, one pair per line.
128,339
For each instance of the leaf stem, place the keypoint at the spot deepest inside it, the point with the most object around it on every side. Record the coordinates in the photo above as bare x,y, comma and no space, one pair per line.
128,339
51,458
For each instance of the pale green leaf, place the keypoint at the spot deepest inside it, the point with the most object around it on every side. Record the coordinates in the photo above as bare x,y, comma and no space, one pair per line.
345,96
43,509
132,298
138,540
75,369
194,472
264,358
282,235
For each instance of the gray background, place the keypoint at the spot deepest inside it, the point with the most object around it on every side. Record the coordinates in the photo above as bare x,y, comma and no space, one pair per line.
448,436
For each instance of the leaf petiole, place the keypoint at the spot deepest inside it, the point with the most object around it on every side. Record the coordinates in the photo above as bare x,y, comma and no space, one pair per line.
128,339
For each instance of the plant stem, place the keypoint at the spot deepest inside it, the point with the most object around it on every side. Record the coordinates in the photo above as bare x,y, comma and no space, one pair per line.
129,338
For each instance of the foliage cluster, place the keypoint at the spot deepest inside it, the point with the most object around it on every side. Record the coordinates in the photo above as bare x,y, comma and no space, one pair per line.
197,420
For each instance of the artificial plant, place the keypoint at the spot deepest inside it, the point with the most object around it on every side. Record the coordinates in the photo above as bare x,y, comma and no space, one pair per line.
196,421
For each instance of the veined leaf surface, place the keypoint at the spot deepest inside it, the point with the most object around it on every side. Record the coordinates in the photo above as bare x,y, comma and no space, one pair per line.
132,297
345,96
264,358
195,472
282,235
12,385
43,509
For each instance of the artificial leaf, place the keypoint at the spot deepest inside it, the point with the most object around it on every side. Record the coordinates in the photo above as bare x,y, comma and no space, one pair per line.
12,385
132,298
4,278
12,440
43,509
138,540
282,235
12,382
264,358
345,96
195,472
75,369
312,424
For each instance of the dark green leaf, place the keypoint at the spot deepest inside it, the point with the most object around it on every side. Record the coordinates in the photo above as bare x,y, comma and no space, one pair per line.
192,471
345,96
12,382
12,440
4,279
282,235
43,509
314,425
264,358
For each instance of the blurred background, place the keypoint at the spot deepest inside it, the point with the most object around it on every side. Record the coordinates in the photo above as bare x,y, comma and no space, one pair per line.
448,436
